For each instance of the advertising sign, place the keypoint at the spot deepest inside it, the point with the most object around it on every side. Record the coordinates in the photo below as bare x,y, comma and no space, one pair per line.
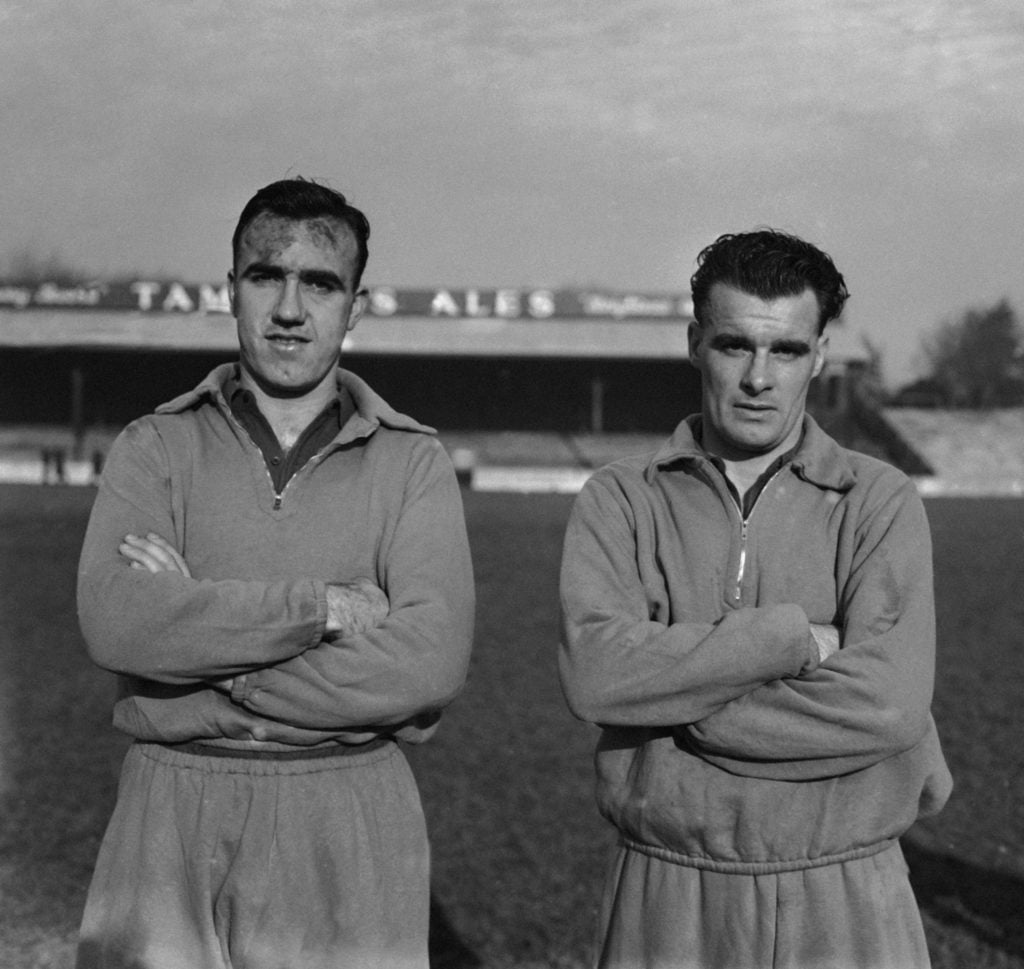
151,296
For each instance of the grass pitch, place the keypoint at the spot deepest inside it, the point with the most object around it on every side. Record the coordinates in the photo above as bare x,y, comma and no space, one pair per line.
519,850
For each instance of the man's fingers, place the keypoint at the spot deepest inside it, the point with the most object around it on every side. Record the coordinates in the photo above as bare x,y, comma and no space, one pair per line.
140,558
154,553
175,556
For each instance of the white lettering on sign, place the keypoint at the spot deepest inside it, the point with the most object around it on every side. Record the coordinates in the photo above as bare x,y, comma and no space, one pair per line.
475,306
50,294
383,301
541,304
177,298
214,300
145,292
507,303
619,307
443,304
15,296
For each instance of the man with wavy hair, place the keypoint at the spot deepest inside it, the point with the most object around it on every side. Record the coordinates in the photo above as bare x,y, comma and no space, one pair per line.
748,615
276,566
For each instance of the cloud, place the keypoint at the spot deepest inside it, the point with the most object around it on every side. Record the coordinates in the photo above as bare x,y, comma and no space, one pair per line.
534,141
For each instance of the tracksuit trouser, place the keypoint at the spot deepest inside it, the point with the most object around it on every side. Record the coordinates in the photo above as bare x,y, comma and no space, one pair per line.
220,862
854,914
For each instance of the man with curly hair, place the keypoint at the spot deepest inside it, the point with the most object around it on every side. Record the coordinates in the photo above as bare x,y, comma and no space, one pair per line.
748,615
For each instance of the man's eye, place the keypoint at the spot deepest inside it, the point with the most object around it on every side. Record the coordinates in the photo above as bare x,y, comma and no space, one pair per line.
321,286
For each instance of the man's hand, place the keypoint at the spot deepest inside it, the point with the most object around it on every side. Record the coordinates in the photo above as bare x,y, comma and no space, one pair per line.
355,607
157,555
153,553
827,640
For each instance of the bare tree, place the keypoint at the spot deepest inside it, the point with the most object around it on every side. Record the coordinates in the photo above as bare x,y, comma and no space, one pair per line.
977,360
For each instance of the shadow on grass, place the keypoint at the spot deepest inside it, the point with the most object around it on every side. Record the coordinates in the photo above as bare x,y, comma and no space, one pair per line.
986,904
447,950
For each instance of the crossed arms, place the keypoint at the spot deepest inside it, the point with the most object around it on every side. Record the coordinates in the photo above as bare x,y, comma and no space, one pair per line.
760,691
352,607
328,655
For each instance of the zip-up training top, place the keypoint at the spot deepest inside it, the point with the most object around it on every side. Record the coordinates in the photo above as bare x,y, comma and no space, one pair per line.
726,744
380,501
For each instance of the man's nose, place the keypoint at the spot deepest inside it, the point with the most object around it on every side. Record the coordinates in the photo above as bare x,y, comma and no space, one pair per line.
757,377
289,309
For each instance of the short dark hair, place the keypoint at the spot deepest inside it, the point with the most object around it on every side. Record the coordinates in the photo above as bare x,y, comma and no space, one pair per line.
768,264
301,199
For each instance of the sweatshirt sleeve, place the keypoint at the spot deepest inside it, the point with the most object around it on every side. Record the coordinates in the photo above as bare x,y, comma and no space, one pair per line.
415,662
619,667
166,627
866,702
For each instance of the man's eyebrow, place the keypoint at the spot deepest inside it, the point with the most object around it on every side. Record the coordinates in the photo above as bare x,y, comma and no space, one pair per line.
322,276
273,271
263,269
798,347
731,340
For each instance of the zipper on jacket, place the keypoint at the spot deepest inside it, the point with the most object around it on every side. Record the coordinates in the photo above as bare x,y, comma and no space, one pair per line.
278,495
737,591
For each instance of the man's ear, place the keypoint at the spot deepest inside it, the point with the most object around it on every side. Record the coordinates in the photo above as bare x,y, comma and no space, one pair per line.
694,338
820,354
231,290
356,310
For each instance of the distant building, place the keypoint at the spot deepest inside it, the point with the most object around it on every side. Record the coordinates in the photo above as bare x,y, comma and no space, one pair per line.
480,359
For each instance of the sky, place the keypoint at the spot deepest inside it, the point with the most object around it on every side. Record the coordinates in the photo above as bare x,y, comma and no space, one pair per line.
534,143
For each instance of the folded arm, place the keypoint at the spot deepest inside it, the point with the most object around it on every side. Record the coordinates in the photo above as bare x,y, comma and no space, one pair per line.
867,701
619,667
413,662
160,623
352,607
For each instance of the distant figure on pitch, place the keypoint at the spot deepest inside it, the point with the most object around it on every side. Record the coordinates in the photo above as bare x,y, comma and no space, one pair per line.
277,567
749,616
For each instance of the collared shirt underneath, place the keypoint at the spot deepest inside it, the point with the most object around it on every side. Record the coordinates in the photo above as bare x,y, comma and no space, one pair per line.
281,463
747,502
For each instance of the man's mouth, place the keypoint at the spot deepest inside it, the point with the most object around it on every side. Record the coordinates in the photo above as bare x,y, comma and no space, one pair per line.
755,410
286,340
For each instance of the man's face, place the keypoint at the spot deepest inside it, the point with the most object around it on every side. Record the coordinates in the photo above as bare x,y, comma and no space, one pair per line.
294,299
756,358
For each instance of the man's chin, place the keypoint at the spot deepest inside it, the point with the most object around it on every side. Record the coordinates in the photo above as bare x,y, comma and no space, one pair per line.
284,386
754,445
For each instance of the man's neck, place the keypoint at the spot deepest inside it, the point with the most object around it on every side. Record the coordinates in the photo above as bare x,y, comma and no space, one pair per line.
288,417
745,469
744,473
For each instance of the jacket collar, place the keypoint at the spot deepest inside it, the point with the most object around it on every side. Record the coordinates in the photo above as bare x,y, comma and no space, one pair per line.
372,411
819,460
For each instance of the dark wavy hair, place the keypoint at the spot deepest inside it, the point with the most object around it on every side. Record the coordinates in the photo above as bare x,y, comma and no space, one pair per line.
300,199
768,264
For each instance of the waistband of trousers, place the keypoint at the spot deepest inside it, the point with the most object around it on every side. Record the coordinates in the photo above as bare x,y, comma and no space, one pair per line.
766,867
199,749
